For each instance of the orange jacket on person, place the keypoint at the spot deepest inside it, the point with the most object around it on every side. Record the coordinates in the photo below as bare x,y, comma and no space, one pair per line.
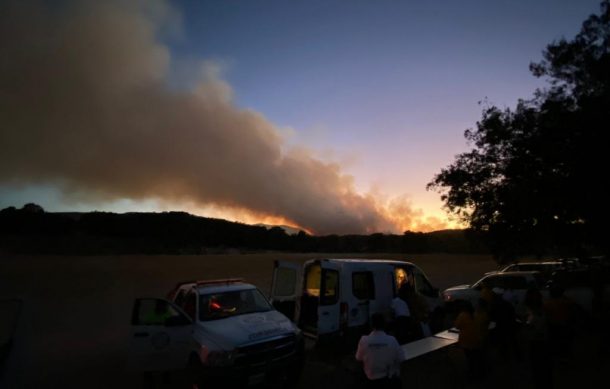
473,329
558,310
487,294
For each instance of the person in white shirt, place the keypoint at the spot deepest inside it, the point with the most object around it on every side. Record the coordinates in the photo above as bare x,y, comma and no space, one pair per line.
381,355
403,323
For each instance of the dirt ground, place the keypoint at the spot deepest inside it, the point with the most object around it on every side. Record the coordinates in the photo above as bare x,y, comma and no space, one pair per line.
74,324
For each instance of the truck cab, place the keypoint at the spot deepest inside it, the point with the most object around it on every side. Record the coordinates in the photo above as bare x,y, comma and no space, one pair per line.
221,330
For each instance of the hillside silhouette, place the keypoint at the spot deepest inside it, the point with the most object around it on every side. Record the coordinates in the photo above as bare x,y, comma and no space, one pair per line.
31,230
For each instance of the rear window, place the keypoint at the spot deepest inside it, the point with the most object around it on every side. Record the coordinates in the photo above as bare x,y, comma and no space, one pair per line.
330,287
313,280
363,285
322,283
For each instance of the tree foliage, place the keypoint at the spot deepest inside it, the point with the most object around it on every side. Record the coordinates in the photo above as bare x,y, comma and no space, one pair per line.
535,178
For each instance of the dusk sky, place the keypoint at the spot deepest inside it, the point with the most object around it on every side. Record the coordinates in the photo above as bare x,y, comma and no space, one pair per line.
381,91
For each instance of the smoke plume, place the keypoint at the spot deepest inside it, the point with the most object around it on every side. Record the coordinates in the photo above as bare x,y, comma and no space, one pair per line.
85,106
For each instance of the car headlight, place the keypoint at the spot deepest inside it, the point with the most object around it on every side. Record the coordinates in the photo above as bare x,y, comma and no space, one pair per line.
446,297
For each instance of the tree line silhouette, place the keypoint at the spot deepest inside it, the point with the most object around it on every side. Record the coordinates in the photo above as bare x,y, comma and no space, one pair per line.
31,230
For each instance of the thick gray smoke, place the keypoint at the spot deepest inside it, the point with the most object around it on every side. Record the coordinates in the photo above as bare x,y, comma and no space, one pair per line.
85,106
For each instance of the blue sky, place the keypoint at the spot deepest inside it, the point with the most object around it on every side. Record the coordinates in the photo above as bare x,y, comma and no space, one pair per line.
384,87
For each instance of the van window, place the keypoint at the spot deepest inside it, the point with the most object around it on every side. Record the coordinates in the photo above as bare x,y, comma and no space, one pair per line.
363,285
400,277
330,288
422,285
313,276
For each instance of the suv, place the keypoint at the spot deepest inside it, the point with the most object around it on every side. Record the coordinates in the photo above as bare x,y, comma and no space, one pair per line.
546,269
221,329
517,282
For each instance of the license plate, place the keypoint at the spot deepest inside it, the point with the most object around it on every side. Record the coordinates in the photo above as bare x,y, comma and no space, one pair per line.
256,379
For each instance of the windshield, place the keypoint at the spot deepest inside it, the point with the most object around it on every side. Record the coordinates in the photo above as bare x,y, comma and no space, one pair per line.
220,305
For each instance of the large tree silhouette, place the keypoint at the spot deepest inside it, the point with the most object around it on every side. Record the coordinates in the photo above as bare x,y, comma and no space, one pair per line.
535,178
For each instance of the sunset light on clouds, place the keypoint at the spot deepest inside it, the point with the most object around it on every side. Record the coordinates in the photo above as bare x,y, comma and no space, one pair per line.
325,115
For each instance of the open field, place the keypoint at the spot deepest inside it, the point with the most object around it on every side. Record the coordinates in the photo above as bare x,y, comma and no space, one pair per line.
74,325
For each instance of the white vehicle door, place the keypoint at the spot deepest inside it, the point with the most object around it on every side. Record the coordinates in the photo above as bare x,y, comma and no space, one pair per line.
425,289
329,306
160,336
384,290
286,286
363,291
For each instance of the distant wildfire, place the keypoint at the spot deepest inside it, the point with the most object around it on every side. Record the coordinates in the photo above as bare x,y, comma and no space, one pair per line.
87,107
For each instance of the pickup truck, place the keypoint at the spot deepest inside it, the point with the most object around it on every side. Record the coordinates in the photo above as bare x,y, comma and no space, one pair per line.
221,331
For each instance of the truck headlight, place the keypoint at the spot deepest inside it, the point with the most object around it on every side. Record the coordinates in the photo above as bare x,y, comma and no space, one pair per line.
220,358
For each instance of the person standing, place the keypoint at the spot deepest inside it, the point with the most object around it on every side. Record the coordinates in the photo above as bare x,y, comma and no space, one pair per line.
381,355
560,314
403,322
419,312
541,361
505,332
471,338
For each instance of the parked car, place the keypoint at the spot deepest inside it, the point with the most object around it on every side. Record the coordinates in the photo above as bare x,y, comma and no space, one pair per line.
330,297
577,285
546,269
221,330
517,282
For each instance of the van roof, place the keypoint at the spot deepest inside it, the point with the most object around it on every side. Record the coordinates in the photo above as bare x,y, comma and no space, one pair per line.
365,260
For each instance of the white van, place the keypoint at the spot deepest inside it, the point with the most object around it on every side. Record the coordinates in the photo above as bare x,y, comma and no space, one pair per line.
327,297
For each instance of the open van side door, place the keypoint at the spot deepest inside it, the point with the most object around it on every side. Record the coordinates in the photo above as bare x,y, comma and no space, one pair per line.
329,310
160,336
286,286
